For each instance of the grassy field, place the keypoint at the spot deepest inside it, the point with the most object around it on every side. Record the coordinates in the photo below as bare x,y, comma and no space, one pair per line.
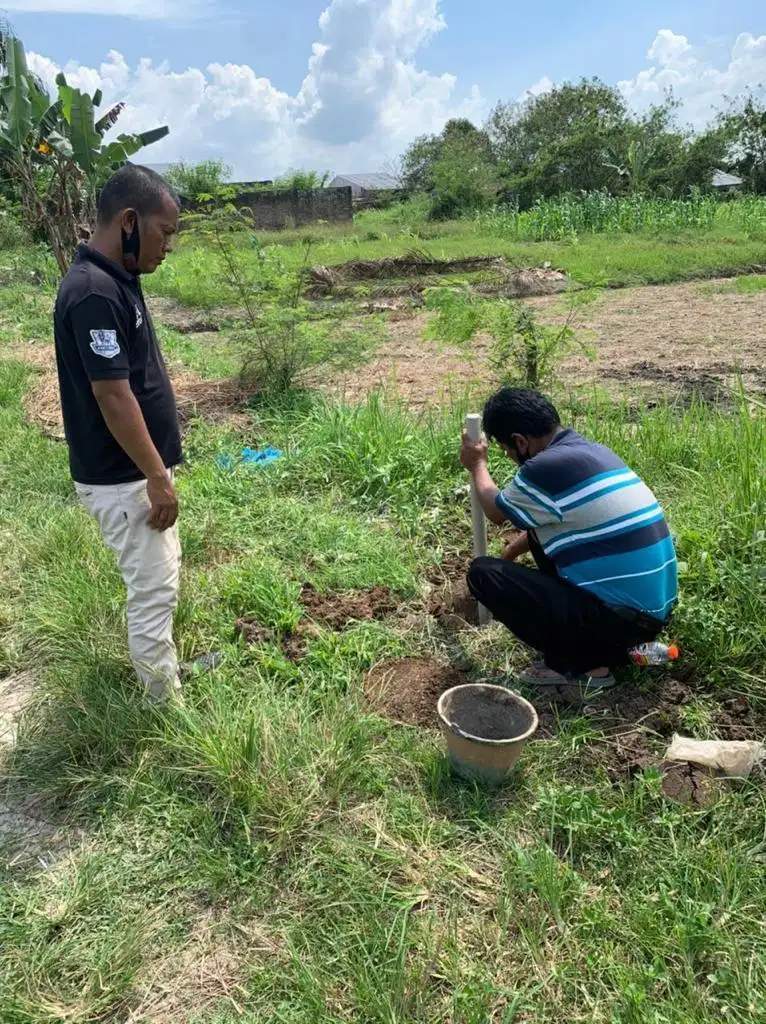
279,852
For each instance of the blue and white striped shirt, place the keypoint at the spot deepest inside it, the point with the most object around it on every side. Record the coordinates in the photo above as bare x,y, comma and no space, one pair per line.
598,522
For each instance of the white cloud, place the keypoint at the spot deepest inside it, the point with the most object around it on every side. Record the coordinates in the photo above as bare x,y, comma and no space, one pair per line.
156,10
361,102
540,87
692,73
668,48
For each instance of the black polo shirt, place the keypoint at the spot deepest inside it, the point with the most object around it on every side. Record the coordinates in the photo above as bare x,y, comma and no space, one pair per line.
103,331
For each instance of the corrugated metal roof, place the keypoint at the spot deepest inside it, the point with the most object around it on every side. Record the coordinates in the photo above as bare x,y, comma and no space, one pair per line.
369,182
721,179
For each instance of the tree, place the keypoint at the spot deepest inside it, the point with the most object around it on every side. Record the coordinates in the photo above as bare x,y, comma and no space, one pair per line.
53,151
745,129
193,180
459,138
556,142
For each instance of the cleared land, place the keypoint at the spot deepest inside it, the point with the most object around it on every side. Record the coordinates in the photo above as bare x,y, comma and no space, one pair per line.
291,848
665,340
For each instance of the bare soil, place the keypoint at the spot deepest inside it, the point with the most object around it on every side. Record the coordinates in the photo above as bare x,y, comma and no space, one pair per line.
672,339
215,400
335,611
185,319
408,690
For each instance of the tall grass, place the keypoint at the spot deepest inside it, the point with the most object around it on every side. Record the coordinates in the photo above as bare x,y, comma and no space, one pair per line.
566,217
276,852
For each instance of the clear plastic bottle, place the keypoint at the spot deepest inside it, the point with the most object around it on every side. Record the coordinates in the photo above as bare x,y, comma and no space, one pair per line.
654,653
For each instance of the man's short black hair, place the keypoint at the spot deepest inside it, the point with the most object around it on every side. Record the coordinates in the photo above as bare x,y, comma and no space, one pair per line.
133,187
519,411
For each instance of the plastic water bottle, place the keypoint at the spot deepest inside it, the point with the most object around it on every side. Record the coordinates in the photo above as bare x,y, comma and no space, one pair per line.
654,653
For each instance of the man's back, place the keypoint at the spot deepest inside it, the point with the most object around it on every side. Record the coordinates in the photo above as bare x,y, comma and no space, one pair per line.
103,332
598,522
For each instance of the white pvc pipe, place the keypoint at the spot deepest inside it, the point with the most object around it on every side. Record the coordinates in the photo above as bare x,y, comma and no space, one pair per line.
473,430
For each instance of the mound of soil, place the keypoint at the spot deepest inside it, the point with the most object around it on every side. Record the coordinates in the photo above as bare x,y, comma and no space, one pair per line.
638,725
514,282
408,690
184,319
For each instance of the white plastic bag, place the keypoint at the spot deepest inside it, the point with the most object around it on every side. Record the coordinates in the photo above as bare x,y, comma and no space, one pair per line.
733,758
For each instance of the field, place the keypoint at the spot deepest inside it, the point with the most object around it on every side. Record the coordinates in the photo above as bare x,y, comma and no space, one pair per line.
291,846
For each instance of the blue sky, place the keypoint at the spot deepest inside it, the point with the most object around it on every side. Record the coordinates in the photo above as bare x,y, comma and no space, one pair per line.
237,79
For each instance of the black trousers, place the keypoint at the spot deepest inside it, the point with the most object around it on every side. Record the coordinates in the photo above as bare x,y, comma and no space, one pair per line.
573,630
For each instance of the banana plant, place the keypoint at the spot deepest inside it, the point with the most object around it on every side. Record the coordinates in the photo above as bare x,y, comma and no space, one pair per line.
59,144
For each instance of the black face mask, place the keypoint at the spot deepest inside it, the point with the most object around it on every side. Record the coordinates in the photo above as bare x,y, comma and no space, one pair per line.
521,458
131,248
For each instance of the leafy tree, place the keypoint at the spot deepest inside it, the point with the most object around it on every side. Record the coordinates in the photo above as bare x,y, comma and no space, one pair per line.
463,179
53,151
556,142
194,180
745,129
459,136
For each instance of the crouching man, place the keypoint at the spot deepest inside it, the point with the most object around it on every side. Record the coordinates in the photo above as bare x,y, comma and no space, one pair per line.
606,576
119,410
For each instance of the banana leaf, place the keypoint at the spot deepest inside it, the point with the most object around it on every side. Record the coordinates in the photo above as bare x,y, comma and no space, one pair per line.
14,95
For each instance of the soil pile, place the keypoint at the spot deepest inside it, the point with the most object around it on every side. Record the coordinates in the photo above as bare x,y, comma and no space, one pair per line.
408,690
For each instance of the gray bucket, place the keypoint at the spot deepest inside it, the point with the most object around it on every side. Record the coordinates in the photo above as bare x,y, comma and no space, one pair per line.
486,728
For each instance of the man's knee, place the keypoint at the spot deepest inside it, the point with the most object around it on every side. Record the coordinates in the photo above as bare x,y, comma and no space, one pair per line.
480,575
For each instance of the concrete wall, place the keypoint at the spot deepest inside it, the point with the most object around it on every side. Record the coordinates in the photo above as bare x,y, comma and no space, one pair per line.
280,208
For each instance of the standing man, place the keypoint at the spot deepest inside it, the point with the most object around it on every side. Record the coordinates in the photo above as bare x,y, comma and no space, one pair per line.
119,410
606,576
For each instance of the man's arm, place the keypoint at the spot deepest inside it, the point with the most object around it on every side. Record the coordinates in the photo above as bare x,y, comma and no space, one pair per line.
122,415
516,548
473,456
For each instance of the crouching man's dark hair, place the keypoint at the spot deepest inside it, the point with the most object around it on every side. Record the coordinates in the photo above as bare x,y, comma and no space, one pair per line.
519,411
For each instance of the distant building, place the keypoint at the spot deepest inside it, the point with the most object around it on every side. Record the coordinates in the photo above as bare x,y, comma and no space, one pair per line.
361,184
726,182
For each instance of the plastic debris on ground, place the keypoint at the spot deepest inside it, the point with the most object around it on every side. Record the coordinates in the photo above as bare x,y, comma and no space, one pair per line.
733,758
250,457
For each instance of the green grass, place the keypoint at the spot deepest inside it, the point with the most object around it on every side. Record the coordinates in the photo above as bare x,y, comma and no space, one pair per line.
750,285
277,853
193,274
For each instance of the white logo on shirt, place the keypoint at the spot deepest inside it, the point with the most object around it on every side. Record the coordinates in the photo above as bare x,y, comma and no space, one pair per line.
139,317
105,343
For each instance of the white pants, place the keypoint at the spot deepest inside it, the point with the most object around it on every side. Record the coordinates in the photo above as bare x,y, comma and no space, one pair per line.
150,565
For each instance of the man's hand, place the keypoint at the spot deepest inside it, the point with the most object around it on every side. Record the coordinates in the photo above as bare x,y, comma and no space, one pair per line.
164,501
518,546
473,453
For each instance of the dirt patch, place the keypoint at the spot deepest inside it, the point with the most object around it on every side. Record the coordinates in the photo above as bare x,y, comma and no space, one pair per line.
208,972
664,340
335,611
689,785
15,692
638,725
453,605
408,690
415,263
183,319
217,401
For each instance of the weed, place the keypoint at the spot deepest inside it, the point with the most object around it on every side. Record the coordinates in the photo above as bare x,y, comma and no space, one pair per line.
522,351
